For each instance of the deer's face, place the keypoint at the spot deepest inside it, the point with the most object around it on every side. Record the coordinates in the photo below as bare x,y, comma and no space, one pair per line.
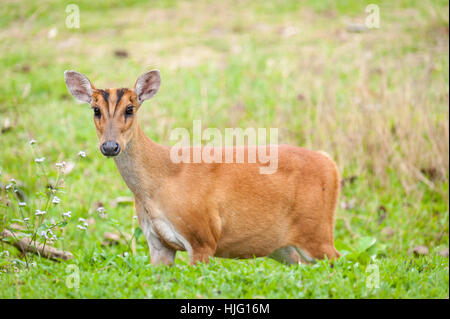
114,110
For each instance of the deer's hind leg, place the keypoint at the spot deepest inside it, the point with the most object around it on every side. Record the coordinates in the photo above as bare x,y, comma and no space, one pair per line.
201,255
287,255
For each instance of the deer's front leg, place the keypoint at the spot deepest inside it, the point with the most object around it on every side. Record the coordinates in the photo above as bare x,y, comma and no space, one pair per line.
159,253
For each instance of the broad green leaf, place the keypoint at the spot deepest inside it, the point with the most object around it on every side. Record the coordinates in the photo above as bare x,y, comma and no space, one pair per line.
365,243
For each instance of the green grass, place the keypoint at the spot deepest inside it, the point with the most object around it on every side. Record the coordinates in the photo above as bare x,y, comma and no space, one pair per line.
377,101
105,275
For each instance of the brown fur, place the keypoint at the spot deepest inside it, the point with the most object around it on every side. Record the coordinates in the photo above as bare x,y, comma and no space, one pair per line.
224,210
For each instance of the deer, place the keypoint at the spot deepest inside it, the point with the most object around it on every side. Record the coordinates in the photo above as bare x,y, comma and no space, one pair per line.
227,210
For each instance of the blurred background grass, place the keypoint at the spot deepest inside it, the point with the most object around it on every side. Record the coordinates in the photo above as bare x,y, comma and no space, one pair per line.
376,100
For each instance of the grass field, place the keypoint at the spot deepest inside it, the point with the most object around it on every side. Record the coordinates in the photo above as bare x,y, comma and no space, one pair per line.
376,100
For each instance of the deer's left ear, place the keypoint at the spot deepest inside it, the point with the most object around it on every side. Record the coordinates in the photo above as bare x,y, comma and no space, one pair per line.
79,86
147,85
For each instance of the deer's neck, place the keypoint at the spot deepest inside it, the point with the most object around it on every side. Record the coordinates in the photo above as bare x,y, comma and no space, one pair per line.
144,165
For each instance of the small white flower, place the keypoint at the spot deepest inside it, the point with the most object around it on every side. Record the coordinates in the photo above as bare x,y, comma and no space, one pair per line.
40,212
102,212
44,234
26,219
81,220
61,164
6,253
8,186
32,142
134,217
50,231
68,214
39,160
81,227
22,204
56,200
13,181
86,225
82,154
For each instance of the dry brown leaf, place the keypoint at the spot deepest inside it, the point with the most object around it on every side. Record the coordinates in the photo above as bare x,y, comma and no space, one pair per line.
443,252
388,231
121,200
111,236
420,251
16,226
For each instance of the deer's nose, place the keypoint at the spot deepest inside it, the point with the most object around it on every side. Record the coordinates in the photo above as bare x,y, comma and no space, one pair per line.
110,148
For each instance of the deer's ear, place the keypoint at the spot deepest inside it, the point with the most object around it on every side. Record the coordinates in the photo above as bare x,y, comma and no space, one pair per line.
79,86
147,85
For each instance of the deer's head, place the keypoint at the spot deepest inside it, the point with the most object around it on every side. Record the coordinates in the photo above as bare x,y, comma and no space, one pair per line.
114,109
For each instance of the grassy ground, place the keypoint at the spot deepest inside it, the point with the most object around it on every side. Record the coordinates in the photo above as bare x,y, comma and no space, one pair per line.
376,100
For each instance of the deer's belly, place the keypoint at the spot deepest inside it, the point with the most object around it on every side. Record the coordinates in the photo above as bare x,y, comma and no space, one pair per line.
254,245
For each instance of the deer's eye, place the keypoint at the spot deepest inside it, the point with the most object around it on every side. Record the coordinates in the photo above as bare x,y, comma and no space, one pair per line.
129,110
96,111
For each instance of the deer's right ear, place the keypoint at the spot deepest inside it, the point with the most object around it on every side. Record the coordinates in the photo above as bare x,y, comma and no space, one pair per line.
79,86
147,85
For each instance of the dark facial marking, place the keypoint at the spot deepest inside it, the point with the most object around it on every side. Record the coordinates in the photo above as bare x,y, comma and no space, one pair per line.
119,93
105,95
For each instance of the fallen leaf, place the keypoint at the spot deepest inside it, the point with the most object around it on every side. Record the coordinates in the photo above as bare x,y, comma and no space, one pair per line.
289,31
112,237
26,68
121,200
388,231
300,97
420,251
120,53
431,172
16,226
443,252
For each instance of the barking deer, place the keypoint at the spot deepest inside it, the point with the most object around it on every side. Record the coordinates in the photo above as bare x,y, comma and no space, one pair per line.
214,209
